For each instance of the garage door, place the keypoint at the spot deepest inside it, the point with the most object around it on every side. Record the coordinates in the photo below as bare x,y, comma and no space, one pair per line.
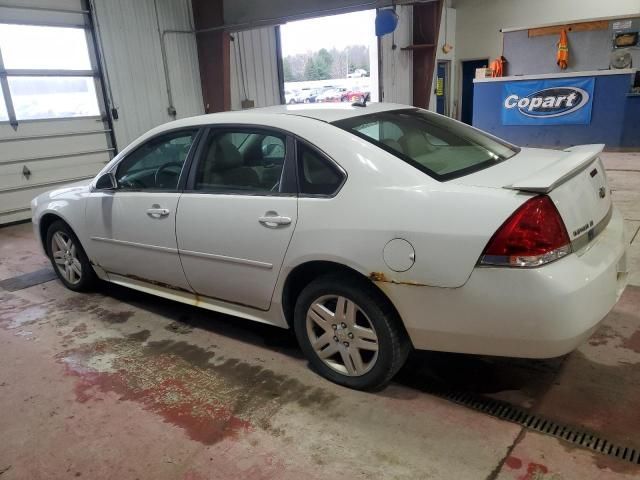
53,127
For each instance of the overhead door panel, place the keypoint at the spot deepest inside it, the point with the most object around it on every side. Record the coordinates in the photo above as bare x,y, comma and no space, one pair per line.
53,127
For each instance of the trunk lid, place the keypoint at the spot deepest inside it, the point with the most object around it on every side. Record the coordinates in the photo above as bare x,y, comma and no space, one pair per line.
574,178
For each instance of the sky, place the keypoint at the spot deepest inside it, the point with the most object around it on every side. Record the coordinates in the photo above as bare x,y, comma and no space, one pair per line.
337,31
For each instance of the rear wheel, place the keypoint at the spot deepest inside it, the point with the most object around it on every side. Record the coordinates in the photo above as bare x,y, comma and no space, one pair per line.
349,334
68,258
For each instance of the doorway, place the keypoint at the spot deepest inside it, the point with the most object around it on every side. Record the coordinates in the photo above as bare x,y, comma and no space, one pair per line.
468,74
330,59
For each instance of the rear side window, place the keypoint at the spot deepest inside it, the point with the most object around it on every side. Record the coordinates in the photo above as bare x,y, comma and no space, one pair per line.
244,161
317,175
436,145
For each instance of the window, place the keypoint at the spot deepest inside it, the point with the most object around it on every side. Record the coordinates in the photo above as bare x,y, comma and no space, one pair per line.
247,161
157,164
53,97
45,48
436,145
316,174
49,72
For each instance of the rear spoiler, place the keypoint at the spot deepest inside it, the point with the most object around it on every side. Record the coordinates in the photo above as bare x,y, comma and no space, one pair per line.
545,180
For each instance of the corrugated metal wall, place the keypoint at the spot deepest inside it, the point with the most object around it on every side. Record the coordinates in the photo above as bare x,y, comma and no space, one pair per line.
254,68
397,65
130,39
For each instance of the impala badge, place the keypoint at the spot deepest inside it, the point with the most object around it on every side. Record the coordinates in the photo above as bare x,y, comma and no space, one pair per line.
602,192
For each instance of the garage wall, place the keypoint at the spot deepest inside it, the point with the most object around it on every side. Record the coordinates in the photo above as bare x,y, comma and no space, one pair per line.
130,38
58,133
397,65
254,69
479,21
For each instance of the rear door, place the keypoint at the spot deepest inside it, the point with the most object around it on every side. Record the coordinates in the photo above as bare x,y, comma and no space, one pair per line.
237,215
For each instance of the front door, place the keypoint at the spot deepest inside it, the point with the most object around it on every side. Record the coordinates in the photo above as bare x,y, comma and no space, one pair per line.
132,229
237,216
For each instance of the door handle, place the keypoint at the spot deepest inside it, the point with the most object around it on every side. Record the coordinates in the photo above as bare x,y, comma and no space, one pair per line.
272,220
158,212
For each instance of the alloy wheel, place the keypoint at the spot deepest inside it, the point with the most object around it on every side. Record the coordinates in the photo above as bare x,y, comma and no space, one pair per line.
65,257
342,335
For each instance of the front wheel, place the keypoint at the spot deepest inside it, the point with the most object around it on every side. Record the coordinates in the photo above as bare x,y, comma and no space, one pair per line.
68,258
349,334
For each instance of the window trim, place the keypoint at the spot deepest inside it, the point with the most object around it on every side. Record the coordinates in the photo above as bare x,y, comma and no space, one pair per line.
185,166
288,178
343,173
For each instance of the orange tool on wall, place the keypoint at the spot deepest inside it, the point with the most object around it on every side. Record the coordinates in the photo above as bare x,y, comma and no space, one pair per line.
562,57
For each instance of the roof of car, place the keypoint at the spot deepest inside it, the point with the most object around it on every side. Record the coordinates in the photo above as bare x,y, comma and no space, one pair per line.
325,112
328,112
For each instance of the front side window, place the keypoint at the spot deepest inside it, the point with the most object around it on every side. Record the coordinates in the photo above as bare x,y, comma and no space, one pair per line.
245,161
316,174
436,145
157,164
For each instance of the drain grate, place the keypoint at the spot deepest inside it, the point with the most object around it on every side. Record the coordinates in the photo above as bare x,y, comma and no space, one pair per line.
531,421
27,280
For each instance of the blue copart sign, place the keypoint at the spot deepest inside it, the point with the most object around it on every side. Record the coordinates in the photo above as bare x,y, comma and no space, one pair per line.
548,102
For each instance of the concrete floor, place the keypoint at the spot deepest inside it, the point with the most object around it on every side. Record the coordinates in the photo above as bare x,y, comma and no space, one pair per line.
119,384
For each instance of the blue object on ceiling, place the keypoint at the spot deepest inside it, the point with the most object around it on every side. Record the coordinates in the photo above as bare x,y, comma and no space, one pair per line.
386,22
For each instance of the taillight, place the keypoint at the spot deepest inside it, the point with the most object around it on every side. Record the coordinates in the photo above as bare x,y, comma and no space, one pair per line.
534,235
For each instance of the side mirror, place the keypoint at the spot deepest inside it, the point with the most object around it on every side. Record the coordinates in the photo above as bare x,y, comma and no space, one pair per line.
107,182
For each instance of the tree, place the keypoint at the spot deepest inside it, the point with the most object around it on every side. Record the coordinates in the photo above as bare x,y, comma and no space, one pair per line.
323,62
311,70
287,70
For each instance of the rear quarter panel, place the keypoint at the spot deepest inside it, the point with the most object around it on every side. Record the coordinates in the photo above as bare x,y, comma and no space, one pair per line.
384,198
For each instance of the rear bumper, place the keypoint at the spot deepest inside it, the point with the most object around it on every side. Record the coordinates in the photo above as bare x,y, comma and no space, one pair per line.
534,313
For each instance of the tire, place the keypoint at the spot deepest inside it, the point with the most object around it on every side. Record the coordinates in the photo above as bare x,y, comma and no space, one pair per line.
69,260
375,368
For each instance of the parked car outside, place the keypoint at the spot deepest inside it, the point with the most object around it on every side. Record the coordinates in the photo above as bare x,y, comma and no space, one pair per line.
369,230
332,95
358,73
290,96
355,95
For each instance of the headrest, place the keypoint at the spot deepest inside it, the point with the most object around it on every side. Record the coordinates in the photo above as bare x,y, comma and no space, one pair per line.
390,142
223,154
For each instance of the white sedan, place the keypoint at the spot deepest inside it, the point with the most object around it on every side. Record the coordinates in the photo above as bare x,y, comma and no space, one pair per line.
369,230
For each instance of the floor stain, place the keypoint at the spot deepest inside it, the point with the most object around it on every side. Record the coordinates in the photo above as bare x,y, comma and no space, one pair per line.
210,398
141,336
179,327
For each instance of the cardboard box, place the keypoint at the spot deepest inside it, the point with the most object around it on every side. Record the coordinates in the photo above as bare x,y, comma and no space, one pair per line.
483,72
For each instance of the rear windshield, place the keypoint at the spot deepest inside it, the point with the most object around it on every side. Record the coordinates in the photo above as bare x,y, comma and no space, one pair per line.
437,145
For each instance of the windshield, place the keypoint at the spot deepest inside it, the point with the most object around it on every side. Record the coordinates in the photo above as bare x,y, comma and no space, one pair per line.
439,146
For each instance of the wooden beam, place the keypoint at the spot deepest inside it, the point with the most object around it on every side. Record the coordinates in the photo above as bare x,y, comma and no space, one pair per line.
569,27
426,27
213,56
